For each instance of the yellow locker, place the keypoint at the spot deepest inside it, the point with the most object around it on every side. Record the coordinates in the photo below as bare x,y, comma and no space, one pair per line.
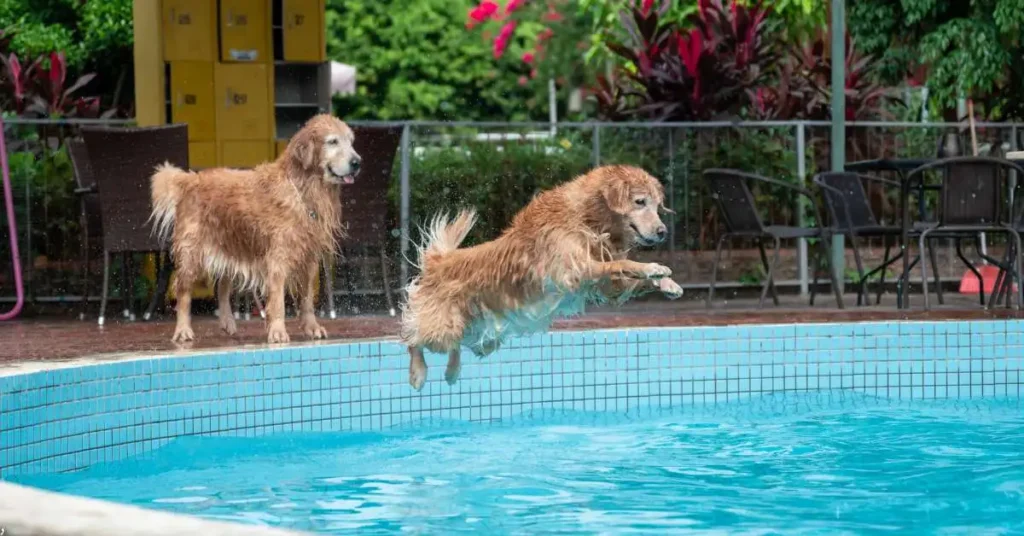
192,92
190,30
304,30
243,101
281,144
202,154
245,31
245,153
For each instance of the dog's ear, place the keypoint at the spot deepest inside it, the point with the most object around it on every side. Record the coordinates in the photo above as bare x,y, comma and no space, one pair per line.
303,149
616,194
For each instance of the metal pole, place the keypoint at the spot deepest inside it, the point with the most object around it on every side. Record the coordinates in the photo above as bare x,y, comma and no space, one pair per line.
553,106
838,152
595,152
672,199
801,206
404,205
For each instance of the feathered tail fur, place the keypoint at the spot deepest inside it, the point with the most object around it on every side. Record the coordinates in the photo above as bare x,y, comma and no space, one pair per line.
441,237
166,189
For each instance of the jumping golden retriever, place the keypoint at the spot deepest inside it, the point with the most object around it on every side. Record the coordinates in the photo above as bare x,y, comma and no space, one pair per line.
566,248
261,229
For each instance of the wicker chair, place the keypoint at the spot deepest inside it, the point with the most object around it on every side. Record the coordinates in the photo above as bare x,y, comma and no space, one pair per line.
90,219
122,161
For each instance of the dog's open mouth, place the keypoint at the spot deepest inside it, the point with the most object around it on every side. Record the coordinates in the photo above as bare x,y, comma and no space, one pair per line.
343,179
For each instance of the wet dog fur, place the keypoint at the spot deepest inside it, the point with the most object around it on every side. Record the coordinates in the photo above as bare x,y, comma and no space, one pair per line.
572,236
265,229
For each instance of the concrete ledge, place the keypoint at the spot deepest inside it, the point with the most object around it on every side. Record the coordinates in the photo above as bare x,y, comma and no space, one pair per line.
26,511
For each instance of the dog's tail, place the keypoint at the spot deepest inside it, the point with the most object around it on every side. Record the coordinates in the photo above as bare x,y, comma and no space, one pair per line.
166,188
444,235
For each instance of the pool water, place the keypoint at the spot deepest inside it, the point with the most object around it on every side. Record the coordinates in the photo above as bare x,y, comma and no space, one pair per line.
831,462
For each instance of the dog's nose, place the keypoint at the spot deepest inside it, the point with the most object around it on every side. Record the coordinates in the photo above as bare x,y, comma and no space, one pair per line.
661,232
355,163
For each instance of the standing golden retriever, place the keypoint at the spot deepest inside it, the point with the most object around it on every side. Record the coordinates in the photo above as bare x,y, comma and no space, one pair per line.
567,247
262,229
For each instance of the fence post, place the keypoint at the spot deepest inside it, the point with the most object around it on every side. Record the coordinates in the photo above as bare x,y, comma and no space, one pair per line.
672,199
404,205
595,152
801,205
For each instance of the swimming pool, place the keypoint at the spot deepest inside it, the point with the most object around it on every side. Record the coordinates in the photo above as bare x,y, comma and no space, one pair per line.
816,427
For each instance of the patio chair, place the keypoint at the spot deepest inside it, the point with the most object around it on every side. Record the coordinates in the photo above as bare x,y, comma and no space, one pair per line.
731,191
122,161
365,210
972,202
851,215
89,213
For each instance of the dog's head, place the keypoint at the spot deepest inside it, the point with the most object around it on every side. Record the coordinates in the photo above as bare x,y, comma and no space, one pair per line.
323,148
633,198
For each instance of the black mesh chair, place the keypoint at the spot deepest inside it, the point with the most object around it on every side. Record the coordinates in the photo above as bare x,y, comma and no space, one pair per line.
731,191
972,202
851,215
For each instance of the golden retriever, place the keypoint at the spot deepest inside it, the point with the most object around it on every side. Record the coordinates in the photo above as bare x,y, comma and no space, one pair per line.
566,248
262,229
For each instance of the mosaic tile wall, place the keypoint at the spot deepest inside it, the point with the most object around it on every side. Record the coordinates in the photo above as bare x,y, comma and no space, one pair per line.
70,418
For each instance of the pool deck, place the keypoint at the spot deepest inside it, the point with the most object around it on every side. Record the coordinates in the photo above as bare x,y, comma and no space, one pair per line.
61,339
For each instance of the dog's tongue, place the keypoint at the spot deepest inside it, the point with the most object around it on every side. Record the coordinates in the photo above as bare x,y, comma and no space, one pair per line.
348,179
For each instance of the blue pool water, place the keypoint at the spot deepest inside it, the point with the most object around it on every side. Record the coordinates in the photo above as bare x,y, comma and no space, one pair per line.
830,462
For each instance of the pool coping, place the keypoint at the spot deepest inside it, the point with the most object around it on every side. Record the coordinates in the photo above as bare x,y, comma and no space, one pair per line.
30,511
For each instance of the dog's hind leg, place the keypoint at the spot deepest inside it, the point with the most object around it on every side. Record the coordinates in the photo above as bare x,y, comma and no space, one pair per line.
451,372
417,367
227,316
188,272
307,303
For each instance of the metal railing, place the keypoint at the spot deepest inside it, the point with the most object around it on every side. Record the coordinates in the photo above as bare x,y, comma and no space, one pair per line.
498,166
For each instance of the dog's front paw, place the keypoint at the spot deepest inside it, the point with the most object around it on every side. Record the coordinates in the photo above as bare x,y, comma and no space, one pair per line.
653,270
670,288
312,329
277,333
451,373
228,325
183,334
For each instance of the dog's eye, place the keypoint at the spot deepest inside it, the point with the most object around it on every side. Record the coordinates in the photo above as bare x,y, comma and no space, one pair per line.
641,202
332,141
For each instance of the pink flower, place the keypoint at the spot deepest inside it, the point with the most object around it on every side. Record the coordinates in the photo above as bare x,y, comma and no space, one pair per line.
528,57
553,16
484,11
501,42
545,34
523,80
513,5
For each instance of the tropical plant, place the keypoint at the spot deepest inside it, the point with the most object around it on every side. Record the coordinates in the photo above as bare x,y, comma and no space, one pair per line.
700,74
40,88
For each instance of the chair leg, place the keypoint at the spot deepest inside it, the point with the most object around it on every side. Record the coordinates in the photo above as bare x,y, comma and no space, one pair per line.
106,286
387,280
714,269
970,266
770,284
885,267
924,268
862,280
85,263
825,248
124,286
816,262
938,274
163,276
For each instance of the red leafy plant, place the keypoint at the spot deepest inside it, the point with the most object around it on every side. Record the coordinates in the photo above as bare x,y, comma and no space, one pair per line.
41,88
677,75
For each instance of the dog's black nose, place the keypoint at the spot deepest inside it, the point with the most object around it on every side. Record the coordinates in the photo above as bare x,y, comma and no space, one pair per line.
662,231
355,163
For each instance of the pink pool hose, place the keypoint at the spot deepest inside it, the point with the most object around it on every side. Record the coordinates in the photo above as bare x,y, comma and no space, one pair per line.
12,229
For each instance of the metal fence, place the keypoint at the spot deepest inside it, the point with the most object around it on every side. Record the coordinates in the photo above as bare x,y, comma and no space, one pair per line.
497,167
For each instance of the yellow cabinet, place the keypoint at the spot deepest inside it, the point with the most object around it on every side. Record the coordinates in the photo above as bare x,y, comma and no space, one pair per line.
304,30
202,154
192,92
190,30
281,146
243,101
245,31
245,153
